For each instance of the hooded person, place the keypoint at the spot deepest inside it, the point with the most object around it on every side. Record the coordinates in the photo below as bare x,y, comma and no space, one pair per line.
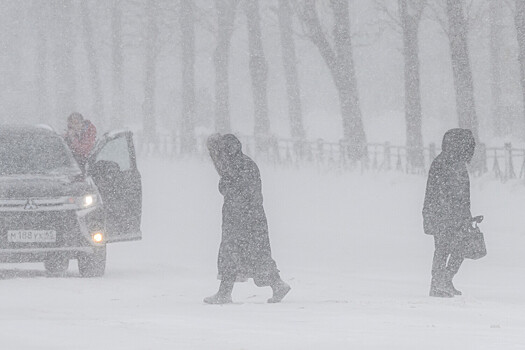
446,211
80,136
245,250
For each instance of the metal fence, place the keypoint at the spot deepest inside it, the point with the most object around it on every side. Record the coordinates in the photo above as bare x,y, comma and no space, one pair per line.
504,163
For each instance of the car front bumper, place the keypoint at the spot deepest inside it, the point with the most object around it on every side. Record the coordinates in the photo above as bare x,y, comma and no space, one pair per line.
74,233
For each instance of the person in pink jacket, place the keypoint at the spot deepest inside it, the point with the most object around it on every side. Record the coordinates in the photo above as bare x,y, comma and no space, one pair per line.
80,136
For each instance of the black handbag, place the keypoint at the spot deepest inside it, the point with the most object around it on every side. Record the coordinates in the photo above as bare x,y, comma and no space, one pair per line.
471,244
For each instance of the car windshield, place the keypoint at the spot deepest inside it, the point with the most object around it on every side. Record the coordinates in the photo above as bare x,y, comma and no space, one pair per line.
28,153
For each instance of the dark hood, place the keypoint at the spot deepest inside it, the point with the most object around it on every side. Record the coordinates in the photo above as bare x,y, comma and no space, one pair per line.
213,145
35,186
226,153
231,146
458,145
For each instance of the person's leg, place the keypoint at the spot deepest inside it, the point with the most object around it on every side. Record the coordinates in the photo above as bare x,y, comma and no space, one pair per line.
438,287
453,265
279,287
224,295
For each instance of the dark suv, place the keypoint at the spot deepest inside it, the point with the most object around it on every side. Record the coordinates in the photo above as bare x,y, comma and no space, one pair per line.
51,211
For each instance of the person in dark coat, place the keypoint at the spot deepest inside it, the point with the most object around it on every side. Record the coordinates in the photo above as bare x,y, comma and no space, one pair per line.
446,212
245,246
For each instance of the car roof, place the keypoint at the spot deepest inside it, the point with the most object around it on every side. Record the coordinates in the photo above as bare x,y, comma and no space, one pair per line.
42,130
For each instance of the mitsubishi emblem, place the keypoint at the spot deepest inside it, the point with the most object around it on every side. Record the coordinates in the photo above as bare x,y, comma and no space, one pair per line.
30,205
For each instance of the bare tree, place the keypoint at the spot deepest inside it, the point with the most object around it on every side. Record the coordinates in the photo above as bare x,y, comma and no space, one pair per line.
463,83
187,24
150,67
339,59
117,63
410,12
94,72
520,29
226,19
64,40
495,64
293,90
42,100
258,72
408,19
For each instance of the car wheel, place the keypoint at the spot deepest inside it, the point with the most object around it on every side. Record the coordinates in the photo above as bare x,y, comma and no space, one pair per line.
56,264
93,265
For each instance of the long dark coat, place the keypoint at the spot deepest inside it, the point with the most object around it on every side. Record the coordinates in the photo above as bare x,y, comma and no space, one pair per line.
447,200
245,247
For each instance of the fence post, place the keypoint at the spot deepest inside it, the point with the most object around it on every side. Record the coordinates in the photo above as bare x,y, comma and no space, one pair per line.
495,166
522,172
387,157
288,156
276,148
399,164
309,152
331,153
509,166
299,147
320,150
431,152
483,158
374,162
342,153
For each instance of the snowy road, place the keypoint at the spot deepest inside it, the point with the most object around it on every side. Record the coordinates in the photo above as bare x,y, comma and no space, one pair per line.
350,246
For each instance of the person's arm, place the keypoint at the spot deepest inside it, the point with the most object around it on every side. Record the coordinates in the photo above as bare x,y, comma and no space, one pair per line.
225,185
434,209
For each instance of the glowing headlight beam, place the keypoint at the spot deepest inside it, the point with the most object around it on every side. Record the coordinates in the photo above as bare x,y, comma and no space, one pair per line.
98,237
88,200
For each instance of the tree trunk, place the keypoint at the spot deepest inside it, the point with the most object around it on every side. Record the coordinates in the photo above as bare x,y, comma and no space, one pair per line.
341,66
259,74
13,93
495,63
42,107
413,114
65,71
290,70
98,103
150,79
226,19
347,81
520,29
187,23
461,69
118,63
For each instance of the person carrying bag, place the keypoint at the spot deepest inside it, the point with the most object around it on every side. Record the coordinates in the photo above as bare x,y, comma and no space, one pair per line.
472,241
446,212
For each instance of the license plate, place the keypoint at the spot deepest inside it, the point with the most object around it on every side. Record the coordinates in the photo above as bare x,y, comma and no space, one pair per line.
31,236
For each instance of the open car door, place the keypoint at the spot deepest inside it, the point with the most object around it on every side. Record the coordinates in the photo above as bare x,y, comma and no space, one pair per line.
113,167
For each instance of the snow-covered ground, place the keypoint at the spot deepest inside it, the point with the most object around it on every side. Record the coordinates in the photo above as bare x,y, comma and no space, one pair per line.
350,245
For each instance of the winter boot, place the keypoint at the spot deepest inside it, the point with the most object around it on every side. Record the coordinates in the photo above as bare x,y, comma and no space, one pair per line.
218,299
224,295
438,288
280,289
450,286
453,290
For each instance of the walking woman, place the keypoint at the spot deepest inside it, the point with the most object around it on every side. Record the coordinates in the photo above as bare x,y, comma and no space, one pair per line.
446,212
245,246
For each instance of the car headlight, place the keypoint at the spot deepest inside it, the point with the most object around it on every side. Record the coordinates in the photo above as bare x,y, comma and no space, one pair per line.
97,237
88,200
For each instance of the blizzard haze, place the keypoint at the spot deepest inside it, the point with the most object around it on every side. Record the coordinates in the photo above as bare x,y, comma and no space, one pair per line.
342,104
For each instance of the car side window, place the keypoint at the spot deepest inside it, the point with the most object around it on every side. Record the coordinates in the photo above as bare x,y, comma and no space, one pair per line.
116,151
